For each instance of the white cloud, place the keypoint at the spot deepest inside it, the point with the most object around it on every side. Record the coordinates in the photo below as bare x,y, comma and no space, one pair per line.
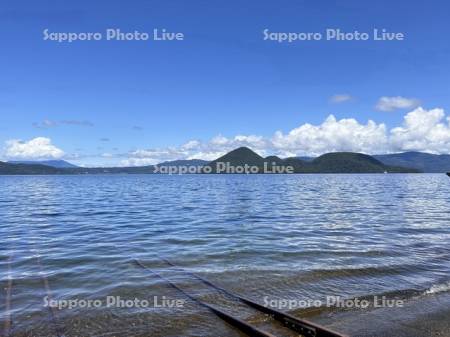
153,156
331,136
37,148
340,98
422,130
393,103
195,149
137,162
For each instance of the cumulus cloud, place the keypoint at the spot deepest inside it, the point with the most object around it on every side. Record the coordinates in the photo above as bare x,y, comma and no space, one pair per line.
340,98
37,148
421,130
195,149
393,103
331,136
152,156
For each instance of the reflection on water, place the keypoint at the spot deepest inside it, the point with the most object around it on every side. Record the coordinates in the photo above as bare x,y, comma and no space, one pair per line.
281,237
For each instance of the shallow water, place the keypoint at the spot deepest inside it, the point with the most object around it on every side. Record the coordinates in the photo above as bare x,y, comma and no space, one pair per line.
281,237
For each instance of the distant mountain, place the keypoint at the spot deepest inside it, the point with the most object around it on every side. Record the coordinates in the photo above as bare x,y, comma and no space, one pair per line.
306,158
39,169
239,157
349,162
425,162
8,169
244,160
52,163
339,162
110,170
233,162
189,162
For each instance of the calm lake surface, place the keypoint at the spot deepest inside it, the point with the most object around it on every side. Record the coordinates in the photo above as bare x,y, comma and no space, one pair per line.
280,237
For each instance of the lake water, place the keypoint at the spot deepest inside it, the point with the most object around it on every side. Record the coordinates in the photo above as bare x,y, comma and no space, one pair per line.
280,237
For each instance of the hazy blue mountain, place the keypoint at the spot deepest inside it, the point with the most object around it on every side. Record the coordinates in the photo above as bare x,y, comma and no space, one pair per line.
425,162
18,169
110,170
306,158
338,162
188,162
52,163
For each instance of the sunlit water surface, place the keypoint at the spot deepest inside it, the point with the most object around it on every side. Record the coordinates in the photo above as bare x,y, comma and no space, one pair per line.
281,237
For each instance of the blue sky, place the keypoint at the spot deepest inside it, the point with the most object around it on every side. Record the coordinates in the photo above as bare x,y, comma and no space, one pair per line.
107,102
